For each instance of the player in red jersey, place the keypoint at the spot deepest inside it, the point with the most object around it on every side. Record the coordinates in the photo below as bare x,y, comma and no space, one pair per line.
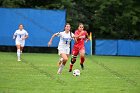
79,47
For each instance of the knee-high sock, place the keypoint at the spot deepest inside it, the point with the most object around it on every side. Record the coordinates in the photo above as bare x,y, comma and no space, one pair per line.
71,65
73,60
82,60
18,53
60,69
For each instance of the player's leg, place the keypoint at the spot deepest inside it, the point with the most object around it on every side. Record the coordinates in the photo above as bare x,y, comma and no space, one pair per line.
18,49
65,59
18,52
21,49
82,57
22,46
60,61
73,58
60,50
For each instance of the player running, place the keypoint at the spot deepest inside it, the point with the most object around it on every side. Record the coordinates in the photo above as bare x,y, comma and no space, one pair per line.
20,35
79,48
64,45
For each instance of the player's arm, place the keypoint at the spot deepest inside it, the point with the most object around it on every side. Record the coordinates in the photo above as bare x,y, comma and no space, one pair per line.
74,37
25,37
14,36
87,36
78,35
50,42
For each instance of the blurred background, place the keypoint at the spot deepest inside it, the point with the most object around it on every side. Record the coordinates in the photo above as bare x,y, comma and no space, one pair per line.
114,24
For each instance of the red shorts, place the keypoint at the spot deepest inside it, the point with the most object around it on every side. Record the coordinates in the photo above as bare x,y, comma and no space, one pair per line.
77,50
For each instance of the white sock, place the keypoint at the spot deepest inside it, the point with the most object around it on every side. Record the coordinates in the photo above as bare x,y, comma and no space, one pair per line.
18,54
60,68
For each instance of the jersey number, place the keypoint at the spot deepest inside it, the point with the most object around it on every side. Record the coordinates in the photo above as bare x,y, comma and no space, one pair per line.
66,42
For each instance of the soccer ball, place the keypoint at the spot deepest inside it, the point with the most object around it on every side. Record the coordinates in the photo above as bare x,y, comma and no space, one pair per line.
76,72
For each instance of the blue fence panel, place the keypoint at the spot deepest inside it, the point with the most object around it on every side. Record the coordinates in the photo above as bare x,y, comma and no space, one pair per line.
117,47
88,48
129,47
106,47
40,24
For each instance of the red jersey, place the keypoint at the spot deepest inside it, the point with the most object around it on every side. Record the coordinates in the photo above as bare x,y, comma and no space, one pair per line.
81,39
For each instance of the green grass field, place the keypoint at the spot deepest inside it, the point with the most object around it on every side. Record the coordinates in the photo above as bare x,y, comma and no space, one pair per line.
37,74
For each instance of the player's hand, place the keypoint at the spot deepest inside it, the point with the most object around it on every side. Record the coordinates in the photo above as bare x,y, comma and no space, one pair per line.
23,38
14,37
49,44
87,40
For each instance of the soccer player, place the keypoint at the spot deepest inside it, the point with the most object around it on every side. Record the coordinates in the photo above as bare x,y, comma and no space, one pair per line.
64,46
79,48
20,35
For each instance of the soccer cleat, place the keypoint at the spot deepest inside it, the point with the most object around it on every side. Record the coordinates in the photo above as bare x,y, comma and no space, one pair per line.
60,69
82,66
70,70
59,72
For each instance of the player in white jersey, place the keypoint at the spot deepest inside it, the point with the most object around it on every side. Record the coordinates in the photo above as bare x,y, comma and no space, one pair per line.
64,45
20,35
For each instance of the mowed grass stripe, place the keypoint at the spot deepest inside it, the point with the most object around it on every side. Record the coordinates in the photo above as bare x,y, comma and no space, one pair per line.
37,74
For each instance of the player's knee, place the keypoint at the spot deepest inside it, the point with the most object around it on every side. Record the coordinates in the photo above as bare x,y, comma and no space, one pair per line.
65,59
64,63
73,59
82,55
72,62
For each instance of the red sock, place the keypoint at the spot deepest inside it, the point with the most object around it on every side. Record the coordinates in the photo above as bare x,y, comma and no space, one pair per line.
71,65
82,60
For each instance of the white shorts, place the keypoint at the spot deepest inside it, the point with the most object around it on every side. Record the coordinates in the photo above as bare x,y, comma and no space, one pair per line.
20,42
65,50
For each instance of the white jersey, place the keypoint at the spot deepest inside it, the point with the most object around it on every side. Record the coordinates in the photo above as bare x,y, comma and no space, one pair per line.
65,39
19,34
